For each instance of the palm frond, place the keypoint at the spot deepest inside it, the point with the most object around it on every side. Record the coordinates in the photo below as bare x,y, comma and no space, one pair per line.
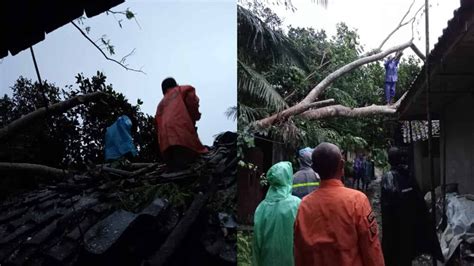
257,87
231,113
255,36
249,114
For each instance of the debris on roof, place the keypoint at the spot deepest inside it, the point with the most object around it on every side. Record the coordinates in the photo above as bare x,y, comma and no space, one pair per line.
110,217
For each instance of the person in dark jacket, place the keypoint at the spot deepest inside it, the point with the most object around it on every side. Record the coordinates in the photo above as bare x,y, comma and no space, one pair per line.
306,179
358,169
407,228
369,172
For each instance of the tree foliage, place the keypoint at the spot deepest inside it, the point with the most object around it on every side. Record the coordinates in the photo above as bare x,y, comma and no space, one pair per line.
313,56
76,137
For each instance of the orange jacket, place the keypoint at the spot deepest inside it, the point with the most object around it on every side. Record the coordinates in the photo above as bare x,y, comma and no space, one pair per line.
176,117
335,226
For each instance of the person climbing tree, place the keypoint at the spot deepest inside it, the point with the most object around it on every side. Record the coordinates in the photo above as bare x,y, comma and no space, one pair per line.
176,117
391,76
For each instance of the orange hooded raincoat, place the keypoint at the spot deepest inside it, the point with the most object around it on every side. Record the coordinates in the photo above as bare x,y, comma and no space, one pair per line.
335,226
176,117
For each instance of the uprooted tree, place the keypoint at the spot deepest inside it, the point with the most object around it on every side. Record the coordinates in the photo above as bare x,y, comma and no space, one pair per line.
278,70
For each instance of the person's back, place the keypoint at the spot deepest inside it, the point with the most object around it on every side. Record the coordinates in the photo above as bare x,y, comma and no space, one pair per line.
118,139
274,219
306,180
407,228
335,225
176,117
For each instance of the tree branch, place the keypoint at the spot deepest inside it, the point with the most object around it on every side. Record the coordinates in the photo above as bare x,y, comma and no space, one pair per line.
344,111
400,25
103,53
59,107
125,14
417,52
326,82
32,168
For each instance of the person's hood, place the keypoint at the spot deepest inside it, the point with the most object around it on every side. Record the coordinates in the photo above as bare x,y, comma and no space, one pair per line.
304,157
280,178
124,122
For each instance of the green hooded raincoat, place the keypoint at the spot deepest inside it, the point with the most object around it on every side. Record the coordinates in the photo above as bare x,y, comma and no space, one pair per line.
274,219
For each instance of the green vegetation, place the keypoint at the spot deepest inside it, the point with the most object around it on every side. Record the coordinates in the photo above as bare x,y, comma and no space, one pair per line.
277,68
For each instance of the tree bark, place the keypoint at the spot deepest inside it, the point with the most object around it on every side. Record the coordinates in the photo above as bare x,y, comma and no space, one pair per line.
56,108
344,111
325,83
32,168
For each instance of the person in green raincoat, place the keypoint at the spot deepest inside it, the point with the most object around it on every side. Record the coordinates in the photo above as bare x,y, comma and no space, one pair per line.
274,219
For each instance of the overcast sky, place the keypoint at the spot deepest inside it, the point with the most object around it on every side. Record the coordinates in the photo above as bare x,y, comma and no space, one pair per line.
374,19
193,41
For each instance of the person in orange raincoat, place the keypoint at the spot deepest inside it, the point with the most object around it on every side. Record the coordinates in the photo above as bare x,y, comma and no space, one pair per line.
335,225
176,117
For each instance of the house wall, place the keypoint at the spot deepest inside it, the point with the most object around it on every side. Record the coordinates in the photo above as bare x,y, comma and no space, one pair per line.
459,129
422,164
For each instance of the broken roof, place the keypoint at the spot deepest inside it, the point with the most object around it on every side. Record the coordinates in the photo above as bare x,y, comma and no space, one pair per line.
451,62
87,219
25,22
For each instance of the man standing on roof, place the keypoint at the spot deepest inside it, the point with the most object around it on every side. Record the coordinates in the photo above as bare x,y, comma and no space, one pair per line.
335,225
306,179
274,220
176,118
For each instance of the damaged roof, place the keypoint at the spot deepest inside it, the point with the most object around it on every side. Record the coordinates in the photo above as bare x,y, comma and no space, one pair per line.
25,22
88,218
451,72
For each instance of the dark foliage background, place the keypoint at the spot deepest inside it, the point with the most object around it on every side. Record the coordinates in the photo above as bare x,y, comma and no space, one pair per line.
75,138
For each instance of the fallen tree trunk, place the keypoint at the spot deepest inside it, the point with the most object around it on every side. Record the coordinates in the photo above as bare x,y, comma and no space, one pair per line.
56,108
344,111
180,231
325,83
33,168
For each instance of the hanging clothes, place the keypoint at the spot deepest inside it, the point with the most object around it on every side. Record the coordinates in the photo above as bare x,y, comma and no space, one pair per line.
274,219
118,139
306,180
391,77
